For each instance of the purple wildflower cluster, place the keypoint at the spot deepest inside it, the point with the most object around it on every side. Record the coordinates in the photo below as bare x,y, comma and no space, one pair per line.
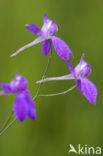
48,29
79,75
24,105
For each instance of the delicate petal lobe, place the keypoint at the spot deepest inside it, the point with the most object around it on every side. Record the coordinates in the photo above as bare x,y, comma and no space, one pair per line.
18,84
46,47
83,69
6,88
65,77
36,41
71,68
33,28
52,28
31,106
61,48
49,28
20,107
88,89
45,17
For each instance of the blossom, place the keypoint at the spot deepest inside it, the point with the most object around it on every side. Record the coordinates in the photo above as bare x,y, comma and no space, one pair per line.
23,105
48,29
83,84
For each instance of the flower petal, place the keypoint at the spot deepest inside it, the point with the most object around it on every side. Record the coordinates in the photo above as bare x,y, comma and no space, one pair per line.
31,106
20,107
45,17
19,84
49,28
61,48
71,68
46,47
88,89
36,41
33,28
6,88
83,69
65,77
82,58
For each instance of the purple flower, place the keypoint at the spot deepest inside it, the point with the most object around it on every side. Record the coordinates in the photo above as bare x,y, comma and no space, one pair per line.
83,84
23,106
48,29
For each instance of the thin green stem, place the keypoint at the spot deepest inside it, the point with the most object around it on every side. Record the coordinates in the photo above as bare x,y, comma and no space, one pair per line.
45,72
7,121
56,94
6,128
6,124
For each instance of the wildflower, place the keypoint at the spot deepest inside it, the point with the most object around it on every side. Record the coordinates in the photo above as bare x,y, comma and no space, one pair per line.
83,84
23,105
48,29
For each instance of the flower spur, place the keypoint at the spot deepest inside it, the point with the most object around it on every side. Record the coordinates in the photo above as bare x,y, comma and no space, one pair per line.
23,105
48,29
83,84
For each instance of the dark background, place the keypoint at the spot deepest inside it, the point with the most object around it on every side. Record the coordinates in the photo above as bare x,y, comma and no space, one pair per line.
66,119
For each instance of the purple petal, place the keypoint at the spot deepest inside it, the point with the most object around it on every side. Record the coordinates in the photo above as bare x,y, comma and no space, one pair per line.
52,28
36,41
31,106
65,77
88,89
61,48
45,17
78,83
71,68
49,28
46,47
18,84
6,88
82,58
20,107
33,28
3,93
83,69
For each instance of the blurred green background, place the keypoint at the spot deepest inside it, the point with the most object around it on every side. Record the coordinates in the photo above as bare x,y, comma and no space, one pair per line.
62,120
